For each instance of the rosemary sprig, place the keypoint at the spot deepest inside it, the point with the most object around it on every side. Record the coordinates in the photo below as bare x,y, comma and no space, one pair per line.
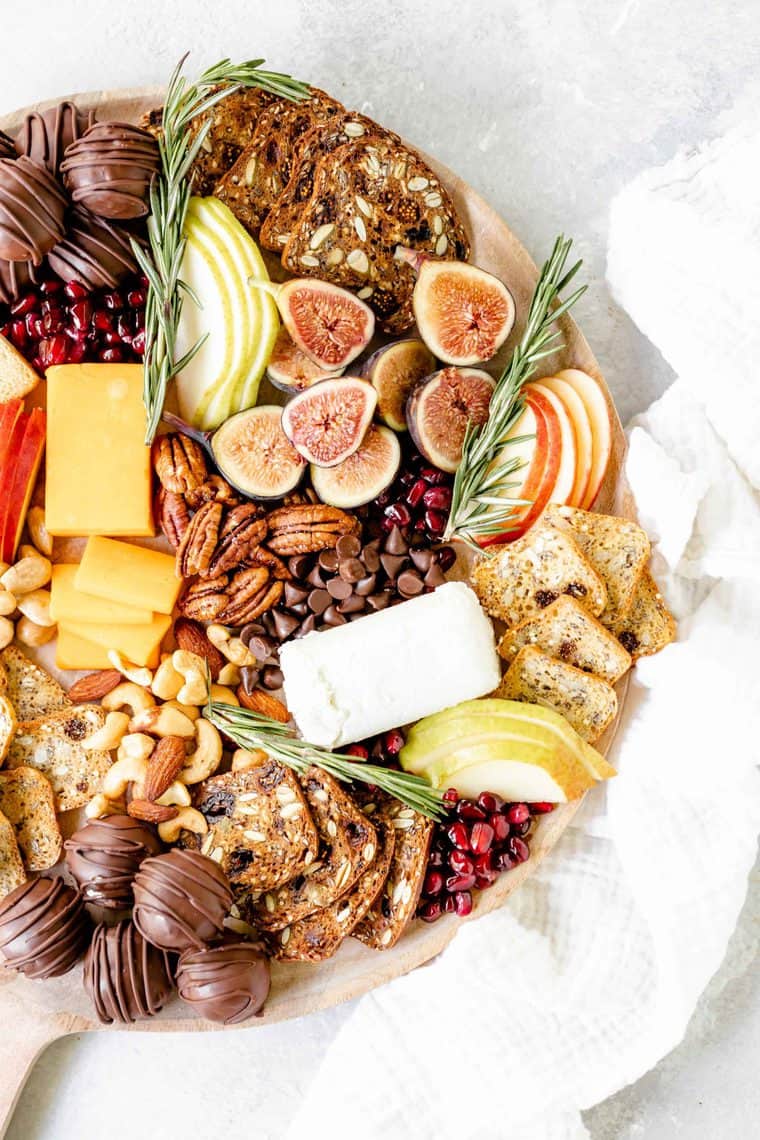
169,197
251,730
480,504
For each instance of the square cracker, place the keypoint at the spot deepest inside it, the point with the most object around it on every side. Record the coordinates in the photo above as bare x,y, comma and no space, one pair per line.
12,873
649,625
32,691
26,800
54,745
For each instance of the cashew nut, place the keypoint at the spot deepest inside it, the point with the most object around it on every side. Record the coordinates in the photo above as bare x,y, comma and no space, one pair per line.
237,652
190,711
100,806
130,696
193,669
176,795
27,574
167,682
186,819
217,634
135,746
242,759
162,720
38,532
229,674
137,673
120,775
222,693
110,735
7,602
6,632
206,758
33,635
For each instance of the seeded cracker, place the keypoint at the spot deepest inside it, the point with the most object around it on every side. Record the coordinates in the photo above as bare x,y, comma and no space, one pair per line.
53,745
12,873
26,800
31,690
649,625
7,725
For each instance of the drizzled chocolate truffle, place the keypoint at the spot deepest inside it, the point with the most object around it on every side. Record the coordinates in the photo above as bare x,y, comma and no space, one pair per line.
126,978
105,855
7,146
44,135
227,983
15,277
109,170
44,929
181,900
32,206
93,252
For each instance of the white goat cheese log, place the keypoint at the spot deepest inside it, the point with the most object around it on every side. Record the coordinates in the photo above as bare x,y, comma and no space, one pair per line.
390,668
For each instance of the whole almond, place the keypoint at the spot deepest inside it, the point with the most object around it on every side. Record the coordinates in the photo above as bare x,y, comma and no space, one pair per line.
94,686
164,765
151,813
191,635
263,703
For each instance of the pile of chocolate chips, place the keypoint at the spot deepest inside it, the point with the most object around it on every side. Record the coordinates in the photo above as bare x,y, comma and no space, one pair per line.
337,586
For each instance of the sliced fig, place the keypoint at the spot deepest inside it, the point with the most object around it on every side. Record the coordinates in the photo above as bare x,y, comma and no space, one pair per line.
393,371
364,475
440,407
253,454
463,314
290,369
328,421
328,323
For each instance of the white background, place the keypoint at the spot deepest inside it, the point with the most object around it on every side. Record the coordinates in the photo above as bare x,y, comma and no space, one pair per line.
547,108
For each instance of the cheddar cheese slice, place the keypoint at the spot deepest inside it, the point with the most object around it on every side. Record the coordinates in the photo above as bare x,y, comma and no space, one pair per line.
72,652
140,643
128,574
67,604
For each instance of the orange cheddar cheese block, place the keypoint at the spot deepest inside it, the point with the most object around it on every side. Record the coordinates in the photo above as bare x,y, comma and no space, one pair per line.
140,643
98,477
128,574
67,604
72,652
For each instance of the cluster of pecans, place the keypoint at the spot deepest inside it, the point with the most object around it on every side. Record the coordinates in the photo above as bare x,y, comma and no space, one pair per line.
24,596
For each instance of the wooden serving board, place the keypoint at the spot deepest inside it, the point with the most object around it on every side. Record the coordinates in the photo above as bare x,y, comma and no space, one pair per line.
32,1014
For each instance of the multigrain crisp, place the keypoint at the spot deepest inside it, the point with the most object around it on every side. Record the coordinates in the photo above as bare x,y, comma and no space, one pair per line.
54,744
26,801
12,873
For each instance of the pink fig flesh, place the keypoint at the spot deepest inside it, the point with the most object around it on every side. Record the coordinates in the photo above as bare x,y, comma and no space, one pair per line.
463,314
364,475
328,421
253,453
290,369
328,323
393,371
439,409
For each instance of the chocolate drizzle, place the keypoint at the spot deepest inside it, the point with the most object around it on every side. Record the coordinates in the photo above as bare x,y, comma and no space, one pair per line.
7,146
92,252
181,900
32,206
44,135
126,978
15,277
227,983
43,928
105,855
109,170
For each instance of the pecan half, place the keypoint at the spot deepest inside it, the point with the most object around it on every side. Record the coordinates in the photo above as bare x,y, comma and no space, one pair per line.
250,593
172,515
307,528
214,490
196,550
205,599
179,463
243,531
263,557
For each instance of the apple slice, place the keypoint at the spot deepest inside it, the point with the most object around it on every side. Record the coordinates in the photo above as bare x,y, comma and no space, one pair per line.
541,472
584,442
18,480
550,403
598,408
9,414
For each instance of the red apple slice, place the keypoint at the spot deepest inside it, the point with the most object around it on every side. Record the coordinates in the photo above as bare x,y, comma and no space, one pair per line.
18,479
9,414
584,443
599,414
551,406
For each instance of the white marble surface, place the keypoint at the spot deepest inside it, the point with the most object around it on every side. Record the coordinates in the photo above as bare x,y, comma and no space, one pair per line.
547,108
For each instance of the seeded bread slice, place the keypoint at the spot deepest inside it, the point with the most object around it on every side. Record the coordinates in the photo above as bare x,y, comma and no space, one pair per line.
32,692
370,196
393,909
7,725
518,580
587,702
260,828
27,801
649,625
54,745
569,632
12,873
348,845
261,172
318,936
617,548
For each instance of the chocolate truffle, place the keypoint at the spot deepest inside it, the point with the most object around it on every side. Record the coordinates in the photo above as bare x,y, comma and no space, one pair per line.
93,252
7,146
44,929
181,900
226,983
44,135
104,857
109,170
32,206
15,277
126,978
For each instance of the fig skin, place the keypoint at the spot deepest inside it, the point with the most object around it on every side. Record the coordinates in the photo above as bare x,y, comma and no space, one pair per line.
327,422
266,465
290,369
393,371
328,323
364,475
439,409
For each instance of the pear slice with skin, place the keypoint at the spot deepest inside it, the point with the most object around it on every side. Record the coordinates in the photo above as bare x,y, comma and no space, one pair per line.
519,754
514,782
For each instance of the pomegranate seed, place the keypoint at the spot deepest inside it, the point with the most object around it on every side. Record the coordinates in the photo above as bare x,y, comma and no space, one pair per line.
419,526
458,836
81,314
430,911
398,513
541,808
446,557
393,742
466,809
358,750
463,903
383,499
18,332
433,475
435,522
113,300
47,288
504,861
101,320
450,904
75,290
481,837
53,322
433,883
34,326
111,355
435,859
522,828
500,825
124,328
416,492
111,338
77,352
518,813
24,305
138,342
53,350
460,863
438,497
450,796
519,850
489,802
406,479
136,298
459,883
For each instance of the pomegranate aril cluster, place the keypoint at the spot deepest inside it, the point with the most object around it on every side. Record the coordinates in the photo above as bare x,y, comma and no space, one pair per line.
417,502
57,323
476,841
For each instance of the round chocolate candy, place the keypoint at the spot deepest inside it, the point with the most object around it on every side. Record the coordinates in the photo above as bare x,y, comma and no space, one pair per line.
126,978
181,900
109,170
227,983
105,855
7,146
44,929
15,277
44,135
92,252
32,206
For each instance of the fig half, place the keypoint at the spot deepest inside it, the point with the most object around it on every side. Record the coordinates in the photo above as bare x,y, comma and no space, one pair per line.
440,408
253,454
393,371
328,421
328,323
364,475
463,314
290,369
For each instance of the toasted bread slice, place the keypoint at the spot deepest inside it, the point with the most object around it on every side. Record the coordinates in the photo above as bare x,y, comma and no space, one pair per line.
348,845
321,140
617,548
318,936
649,625
12,873
53,744
32,691
26,799
587,702
260,827
393,909
518,580
569,632
370,196
7,725
261,172
17,378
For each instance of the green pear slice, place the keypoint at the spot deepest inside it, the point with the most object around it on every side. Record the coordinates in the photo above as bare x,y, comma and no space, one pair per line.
513,781
521,758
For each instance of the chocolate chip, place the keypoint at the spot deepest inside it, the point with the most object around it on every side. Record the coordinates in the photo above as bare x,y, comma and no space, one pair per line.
252,629
286,623
370,556
351,569
352,605
268,621
301,610
314,578
308,625
348,546
366,585
409,584
328,560
435,576
332,617
395,543
250,678
378,601
339,589
299,565
319,600
422,559
272,677
293,595
262,646
392,564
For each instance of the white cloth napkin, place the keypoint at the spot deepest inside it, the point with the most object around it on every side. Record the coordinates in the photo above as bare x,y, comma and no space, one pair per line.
590,974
